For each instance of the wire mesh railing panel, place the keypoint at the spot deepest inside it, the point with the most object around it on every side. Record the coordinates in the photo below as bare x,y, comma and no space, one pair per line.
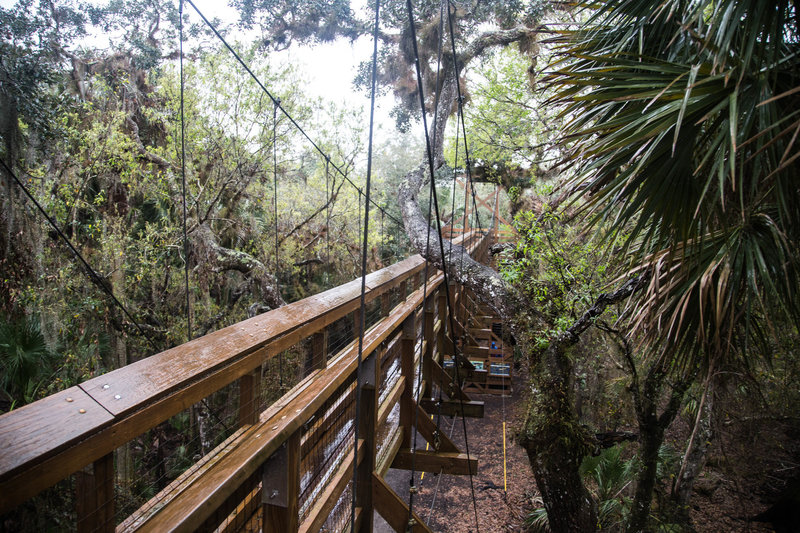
339,518
326,437
387,431
374,313
146,472
149,468
390,368
53,509
340,334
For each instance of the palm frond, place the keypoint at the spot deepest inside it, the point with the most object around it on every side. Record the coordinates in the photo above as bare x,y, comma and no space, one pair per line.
683,121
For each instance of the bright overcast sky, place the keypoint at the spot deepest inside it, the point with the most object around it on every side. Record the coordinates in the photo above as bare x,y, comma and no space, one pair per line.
328,69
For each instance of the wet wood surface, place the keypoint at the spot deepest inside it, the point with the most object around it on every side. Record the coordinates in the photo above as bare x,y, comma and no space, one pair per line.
50,439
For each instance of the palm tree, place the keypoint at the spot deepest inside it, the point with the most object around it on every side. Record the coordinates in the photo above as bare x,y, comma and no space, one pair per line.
24,357
683,135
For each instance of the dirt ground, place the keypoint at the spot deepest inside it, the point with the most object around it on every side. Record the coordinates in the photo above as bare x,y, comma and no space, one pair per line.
724,501
445,502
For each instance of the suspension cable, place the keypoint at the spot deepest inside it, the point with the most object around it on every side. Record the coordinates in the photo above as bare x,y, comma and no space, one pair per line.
441,240
275,184
183,184
412,488
461,112
363,302
276,101
329,198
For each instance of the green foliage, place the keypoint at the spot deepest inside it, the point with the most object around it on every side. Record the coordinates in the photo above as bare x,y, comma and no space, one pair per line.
536,521
32,93
25,359
681,120
611,477
502,121
559,270
111,180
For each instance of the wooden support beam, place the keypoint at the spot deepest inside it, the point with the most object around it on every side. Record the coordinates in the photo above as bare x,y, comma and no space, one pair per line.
94,499
477,351
446,382
476,376
369,385
481,333
463,331
318,356
427,353
385,304
454,407
281,487
359,518
407,402
394,510
249,388
433,434
456,464
447,345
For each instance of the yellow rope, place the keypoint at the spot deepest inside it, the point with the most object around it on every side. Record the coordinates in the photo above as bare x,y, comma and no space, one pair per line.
427,447
505,484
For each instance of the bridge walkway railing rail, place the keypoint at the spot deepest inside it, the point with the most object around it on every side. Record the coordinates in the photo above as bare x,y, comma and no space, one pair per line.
285,467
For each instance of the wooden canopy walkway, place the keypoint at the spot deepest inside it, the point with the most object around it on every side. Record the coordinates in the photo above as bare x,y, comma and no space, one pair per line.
286,466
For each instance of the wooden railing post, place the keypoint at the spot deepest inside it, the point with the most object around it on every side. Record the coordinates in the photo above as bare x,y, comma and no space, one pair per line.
442,314
318,357
367,431
385,304
407,342
280,488
95,497
249,389
427,356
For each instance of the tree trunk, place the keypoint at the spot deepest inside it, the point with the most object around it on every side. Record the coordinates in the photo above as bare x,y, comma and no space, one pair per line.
694,458
650,438
651,433
570,507
556,444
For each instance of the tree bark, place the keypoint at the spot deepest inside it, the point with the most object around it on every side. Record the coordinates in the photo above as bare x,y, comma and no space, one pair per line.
556,443
694,458
652,426
650,438
221,259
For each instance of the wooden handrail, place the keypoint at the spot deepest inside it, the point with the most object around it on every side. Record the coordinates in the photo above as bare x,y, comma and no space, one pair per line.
50,439
192,507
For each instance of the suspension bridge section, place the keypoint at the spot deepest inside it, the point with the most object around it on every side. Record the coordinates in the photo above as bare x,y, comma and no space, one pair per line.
285,466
